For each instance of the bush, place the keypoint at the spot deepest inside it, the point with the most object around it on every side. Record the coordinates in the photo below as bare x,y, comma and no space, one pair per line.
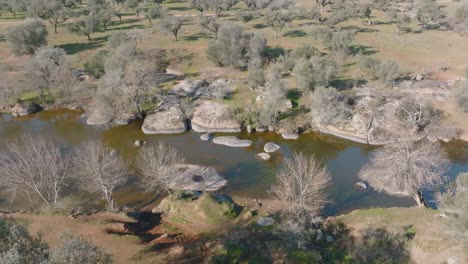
26,37
317,71
328,105
95,65
386,72
77,250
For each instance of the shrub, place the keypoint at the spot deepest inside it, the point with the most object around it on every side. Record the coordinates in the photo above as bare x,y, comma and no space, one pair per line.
25,38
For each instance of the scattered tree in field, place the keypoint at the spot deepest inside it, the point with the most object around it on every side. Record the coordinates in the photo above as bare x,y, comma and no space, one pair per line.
245,17
35,166
327,105
365,11
157,165
399,18
461,95
200,5
300,184
336,41
104,17
257,4
119,38
53,11
210,23
77,250
234,47
406,168
100,170
279,14
316,71
158,2
85,26
219,6
14,6
386,72
172,24
453,203
428,12
256,77
18,246
25,38
133,4
462,13
154,13
323,4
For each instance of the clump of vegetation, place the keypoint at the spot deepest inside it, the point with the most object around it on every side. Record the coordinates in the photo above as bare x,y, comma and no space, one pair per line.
26,37
328,105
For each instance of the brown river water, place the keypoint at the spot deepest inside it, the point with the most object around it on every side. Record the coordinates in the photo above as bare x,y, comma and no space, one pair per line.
246,174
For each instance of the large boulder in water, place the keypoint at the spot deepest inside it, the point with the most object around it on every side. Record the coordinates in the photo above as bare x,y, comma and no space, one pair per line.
194,177
232,141
170,121
22,109
211,116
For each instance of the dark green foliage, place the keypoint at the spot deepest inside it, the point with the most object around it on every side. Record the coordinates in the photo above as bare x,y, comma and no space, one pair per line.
335,40
95,65
26,37
316,71
386,72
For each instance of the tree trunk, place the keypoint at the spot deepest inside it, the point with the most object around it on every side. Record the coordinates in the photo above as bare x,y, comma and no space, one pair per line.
369,21
55,28
89,37
419,198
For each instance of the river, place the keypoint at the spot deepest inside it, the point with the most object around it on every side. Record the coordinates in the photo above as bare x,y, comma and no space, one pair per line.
246,174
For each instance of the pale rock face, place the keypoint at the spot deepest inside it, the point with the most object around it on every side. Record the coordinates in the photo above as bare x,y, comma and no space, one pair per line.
211,116
265,221
291,136
170,121
98,118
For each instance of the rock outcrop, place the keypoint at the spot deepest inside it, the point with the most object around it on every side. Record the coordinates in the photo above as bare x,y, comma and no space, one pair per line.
291,136
211,116
170,121
219,88
232,141
22,109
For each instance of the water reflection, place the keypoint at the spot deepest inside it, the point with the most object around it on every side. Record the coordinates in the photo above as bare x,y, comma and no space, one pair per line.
246,174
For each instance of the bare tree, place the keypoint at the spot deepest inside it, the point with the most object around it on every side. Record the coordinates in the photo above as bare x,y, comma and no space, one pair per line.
100,169
35,166
157,164
406,167
300,184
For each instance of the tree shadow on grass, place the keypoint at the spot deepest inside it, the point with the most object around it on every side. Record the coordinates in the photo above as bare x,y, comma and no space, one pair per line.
364,50
274,52
197,36
345,84
126,27
295,34
2,38
74,48
179,8
260,26
116,23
